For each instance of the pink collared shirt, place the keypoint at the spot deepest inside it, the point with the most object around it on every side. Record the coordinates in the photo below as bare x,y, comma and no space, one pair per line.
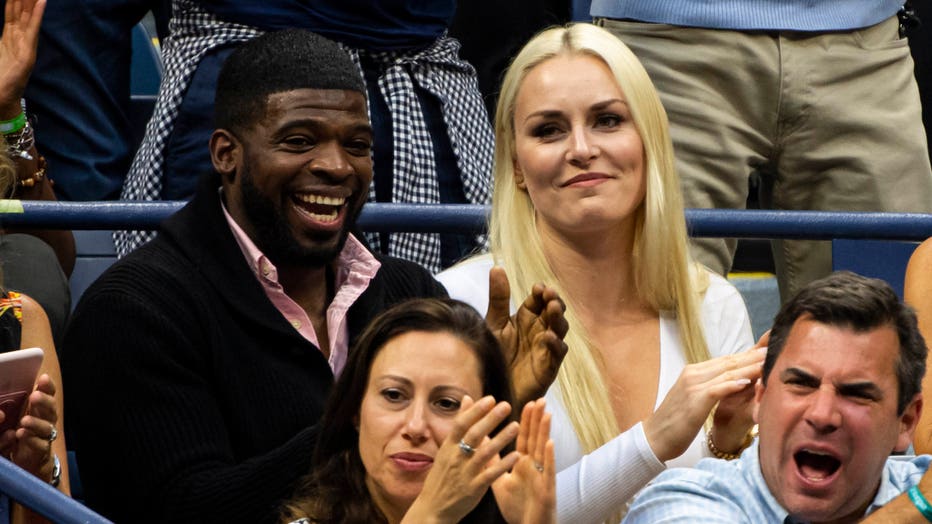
355,267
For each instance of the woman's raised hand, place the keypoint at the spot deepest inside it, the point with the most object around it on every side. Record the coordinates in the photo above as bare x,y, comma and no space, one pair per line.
527,495
466,464
698,389
18,48
734,414
29,446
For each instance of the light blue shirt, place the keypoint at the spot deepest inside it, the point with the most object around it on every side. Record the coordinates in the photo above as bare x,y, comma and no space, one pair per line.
735,491
784,15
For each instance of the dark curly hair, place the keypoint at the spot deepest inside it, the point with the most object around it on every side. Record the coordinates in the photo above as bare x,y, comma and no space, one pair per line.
276,62
335,490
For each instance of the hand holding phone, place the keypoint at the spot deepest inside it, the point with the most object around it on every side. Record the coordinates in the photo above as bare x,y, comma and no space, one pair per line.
18,370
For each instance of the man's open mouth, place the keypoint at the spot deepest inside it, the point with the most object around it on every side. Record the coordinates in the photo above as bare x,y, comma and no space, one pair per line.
816,465
320,207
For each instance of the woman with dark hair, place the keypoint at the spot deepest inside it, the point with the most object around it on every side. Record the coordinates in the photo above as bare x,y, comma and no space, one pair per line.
404,442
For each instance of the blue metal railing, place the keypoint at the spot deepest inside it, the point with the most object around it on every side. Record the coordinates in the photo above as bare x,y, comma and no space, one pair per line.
816,225
31,492
35,494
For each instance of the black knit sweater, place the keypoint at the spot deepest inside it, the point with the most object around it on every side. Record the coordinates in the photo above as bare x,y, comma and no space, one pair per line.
189,397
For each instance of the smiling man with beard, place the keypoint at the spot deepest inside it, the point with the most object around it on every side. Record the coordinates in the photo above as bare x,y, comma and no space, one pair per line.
840,392
198,366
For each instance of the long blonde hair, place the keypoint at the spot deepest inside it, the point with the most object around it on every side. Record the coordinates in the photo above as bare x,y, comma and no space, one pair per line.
665,276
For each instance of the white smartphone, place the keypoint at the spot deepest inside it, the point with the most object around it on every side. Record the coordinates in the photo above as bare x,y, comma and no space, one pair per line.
18,371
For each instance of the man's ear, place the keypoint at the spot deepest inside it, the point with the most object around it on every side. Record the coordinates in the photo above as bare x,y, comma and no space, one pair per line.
759,388
225,153
908,421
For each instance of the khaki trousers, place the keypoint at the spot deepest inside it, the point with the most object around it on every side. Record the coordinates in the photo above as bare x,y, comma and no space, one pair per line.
829,121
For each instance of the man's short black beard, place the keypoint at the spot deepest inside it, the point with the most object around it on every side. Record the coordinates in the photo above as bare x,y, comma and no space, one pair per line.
273,236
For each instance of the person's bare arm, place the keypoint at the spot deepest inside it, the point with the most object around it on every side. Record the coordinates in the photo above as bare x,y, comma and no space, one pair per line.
902,510
917,292
17,57
37,333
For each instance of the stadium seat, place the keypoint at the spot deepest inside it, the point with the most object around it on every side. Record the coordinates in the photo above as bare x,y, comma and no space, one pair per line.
95,253
883,259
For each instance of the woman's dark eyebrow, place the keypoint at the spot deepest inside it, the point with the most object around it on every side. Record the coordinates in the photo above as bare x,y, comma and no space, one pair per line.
396,378
443,388
544,113
552,113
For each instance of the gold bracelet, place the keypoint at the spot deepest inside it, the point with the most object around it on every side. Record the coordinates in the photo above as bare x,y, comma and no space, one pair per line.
724,455
37,177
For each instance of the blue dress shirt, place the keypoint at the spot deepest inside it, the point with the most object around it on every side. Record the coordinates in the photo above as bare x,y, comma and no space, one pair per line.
735,491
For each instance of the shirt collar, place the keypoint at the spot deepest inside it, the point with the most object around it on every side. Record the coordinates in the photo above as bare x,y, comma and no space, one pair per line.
751,463
354,258
254,256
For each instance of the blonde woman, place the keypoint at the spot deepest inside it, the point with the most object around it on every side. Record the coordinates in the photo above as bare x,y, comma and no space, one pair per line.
586,199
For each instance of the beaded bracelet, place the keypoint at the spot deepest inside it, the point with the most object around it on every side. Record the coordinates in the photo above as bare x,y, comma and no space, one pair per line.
15,124
36,177
920,502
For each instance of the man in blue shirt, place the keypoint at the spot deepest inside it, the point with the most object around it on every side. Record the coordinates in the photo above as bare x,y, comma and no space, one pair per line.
840,392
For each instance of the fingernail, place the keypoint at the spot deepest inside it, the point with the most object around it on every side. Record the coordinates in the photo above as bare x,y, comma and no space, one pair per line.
763,349
743,381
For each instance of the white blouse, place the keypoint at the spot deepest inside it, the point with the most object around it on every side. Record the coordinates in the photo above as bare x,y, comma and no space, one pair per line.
590,488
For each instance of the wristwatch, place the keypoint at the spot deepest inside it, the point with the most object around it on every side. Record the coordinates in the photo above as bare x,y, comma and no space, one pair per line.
56,471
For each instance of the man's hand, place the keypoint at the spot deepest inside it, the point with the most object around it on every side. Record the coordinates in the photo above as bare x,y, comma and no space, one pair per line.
532,338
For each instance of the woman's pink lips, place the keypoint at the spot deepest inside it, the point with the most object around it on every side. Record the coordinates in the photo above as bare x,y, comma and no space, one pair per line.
412,461
586,179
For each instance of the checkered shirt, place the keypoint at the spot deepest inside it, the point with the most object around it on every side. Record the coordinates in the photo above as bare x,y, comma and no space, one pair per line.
436,69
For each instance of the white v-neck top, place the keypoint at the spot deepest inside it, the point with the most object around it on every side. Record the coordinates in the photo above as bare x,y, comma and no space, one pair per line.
590,488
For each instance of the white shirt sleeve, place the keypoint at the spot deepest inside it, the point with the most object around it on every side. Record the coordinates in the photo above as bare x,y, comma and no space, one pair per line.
589,490
469,281
592,487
